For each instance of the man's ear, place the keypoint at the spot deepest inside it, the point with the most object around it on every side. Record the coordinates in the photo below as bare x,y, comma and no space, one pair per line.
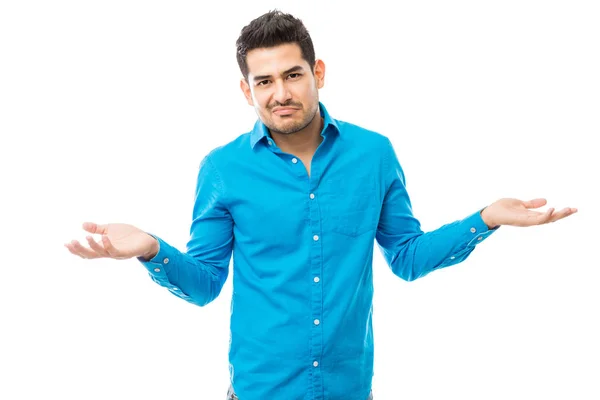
247,92
319,73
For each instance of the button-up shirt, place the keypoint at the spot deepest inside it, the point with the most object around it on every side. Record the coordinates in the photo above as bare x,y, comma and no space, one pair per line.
302,249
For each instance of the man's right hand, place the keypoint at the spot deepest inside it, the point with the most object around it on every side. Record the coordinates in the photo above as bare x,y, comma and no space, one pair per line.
119,241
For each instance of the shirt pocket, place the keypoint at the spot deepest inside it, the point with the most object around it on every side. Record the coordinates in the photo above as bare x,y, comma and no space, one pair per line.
352,208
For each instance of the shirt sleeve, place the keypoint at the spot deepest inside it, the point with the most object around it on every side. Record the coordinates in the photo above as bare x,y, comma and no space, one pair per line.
198,274
410,252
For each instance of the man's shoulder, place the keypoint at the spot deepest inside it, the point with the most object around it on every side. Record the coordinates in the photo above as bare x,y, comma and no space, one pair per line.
361,134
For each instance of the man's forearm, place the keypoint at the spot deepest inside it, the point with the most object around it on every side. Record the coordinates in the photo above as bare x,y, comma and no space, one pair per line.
448,245
187,277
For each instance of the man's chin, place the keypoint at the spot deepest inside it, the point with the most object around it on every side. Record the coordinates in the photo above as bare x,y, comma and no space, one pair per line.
286,130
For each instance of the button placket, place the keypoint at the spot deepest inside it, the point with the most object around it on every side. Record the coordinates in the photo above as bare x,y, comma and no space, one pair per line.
316,272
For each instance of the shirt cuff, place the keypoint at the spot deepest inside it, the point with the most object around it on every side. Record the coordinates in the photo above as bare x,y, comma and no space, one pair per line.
159,266
472,231
476,221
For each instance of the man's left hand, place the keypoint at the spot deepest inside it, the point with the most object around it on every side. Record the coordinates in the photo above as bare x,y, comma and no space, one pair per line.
518,213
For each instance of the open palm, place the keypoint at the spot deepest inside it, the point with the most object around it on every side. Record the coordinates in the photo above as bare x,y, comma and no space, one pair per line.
517,212
119,241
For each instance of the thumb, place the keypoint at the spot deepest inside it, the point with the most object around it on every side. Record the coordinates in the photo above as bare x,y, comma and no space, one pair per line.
535,203
95,228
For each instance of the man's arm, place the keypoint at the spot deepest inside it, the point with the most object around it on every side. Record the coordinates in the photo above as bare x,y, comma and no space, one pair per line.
198,274
410,252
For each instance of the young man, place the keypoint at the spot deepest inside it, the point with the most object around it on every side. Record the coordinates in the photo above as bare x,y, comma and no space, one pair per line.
300,201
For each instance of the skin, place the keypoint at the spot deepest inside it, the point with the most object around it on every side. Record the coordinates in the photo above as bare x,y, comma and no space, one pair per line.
279,77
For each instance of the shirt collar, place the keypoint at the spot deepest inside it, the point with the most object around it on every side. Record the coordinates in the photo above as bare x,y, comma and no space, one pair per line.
260,130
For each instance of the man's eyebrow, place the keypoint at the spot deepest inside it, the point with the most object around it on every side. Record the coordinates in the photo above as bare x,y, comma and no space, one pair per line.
287,71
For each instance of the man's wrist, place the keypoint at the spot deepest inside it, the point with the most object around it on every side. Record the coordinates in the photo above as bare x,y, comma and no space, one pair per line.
152,251
487,220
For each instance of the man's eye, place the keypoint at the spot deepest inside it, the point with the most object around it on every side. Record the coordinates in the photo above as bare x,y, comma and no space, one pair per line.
262,83
293,76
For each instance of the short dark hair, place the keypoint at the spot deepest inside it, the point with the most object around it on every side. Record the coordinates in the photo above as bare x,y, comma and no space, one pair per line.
270,30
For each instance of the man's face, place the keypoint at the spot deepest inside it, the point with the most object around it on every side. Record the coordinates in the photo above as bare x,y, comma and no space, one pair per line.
282,88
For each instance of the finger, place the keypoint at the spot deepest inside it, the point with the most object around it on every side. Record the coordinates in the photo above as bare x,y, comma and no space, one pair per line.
97,247
538,218
82,251
565,212
95,228
535,203
73,251
110,249
69,247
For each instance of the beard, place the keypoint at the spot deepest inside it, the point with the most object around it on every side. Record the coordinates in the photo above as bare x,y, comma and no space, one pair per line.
287,125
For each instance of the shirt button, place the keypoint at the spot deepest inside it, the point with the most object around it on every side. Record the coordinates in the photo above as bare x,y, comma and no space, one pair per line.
317,322
473,230
452,258
479,238
156,269
316,364
175,288
294,160
270,143
316,237
166,261
312,195
316,279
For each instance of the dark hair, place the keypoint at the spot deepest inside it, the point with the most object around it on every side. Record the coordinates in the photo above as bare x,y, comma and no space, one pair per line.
270,30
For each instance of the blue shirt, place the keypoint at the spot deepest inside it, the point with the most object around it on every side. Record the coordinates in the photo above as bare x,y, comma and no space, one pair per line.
302,249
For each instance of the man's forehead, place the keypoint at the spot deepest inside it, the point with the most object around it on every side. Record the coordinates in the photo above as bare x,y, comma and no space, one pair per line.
274,60
265,72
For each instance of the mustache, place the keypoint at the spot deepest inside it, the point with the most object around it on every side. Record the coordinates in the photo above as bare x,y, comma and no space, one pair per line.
286,104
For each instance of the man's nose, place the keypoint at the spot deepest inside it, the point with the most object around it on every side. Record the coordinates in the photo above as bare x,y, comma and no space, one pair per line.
282,93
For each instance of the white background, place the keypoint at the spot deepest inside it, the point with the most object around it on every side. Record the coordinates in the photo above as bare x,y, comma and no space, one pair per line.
106,109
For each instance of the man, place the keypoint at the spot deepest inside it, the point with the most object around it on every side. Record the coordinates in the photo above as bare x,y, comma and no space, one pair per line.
300,201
